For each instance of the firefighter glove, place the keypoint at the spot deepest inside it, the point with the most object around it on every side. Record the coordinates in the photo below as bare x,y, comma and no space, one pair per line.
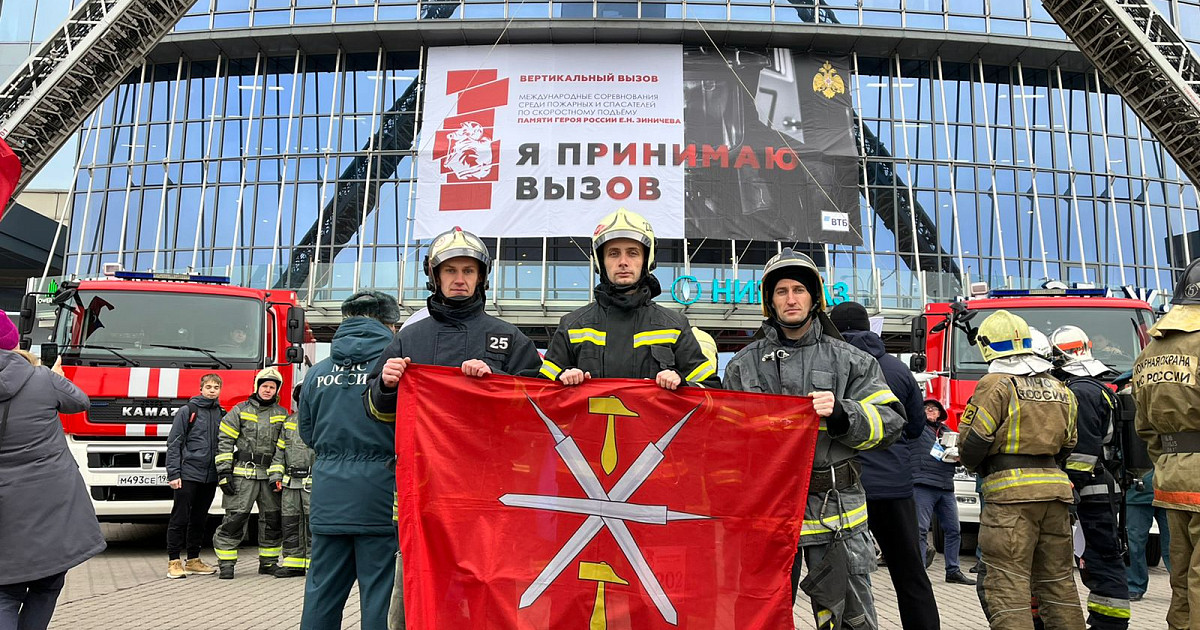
225,483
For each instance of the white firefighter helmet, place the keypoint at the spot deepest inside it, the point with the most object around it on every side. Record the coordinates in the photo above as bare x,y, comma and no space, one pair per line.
1074,348
1040,344
453,244
1003,334
623,224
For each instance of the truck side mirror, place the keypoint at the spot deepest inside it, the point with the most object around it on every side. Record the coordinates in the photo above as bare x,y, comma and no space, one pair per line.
28,312
49,354
295,325
294,354
917,363
919,334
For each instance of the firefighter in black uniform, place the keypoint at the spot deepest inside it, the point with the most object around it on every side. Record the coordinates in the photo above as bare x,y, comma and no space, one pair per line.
623,334
457,333
1098,492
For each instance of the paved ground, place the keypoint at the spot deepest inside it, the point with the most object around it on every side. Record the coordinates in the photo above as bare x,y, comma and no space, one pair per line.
125,587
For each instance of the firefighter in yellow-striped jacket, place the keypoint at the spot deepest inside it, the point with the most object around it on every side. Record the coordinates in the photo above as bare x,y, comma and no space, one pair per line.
291,474
245,448
1016,430
624,334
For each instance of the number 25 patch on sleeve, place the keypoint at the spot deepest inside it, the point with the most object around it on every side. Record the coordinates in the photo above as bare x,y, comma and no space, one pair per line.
497,342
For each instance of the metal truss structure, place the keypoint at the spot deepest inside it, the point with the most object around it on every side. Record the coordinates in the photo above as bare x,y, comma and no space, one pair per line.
1141,56
74,70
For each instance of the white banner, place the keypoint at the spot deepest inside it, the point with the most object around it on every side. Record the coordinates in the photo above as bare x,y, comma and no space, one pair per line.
545,140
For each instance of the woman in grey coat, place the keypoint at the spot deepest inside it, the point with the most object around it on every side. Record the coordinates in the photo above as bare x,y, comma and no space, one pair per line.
47,523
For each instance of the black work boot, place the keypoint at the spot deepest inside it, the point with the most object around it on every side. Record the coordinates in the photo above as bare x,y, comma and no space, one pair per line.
226,569
266,568
287,572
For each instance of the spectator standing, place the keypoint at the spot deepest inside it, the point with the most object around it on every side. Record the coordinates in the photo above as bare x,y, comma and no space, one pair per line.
192,474
1140,512
933,486
887,477
47,523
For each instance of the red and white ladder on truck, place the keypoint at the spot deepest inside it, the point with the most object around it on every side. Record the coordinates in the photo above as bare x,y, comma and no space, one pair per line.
1141,57
44,103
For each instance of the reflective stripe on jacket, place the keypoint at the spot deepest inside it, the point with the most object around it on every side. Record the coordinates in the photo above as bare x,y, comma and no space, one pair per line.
291,453
1019,415
1166,387
250,430
1085,464
610,341
820,362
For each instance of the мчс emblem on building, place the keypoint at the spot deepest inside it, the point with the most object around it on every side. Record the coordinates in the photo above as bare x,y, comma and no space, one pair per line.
828,82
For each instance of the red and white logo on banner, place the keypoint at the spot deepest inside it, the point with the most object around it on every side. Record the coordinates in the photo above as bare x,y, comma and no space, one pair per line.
466,147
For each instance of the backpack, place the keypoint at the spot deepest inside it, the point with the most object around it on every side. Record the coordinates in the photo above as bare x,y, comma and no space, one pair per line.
193,410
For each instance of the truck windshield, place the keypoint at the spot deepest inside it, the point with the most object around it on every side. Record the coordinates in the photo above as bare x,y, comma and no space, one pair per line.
150,327
1116,333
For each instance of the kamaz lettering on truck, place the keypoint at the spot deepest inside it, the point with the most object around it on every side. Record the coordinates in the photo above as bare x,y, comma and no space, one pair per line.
137,344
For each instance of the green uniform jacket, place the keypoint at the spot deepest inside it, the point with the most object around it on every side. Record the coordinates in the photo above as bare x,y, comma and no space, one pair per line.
249,430
291,453
1167,392
1019,415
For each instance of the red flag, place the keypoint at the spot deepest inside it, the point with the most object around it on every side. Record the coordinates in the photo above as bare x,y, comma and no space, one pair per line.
614,504
10,172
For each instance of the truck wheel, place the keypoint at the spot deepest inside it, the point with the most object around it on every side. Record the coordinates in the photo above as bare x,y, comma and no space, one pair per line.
1153,551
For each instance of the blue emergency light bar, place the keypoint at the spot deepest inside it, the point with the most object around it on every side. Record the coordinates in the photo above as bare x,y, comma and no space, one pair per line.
170,277
1008,293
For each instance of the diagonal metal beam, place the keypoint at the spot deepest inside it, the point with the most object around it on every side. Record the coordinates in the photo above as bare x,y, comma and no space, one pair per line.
1141,56
74,70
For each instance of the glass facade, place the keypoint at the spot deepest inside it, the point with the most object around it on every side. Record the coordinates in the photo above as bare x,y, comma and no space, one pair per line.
297,170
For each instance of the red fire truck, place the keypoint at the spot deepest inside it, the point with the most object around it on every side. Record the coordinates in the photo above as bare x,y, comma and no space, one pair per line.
137,344
943,351
940,335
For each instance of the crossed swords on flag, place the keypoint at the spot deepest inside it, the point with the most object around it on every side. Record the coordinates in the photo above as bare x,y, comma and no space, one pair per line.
604,509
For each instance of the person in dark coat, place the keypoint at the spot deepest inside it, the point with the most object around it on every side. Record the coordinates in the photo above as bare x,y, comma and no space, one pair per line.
47,523
933,485
352,505
887,477
192,474
456,333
